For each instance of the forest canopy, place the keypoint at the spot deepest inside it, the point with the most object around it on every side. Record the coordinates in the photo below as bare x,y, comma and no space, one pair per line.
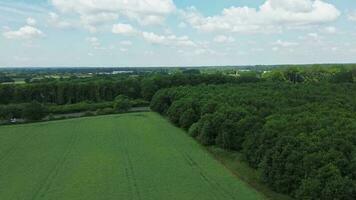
301,137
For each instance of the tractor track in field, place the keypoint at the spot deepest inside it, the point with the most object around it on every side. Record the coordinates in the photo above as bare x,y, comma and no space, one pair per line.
130,171
13,148
53,174
209,180
216,189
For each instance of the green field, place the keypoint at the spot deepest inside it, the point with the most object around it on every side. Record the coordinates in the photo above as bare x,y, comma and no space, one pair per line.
131,156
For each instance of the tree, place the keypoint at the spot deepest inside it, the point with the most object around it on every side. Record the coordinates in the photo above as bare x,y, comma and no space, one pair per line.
207,135
148,88
195,129
227,135
188,118
122,103
34,111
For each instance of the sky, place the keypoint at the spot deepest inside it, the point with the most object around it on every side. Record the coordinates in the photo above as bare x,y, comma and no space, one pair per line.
140,33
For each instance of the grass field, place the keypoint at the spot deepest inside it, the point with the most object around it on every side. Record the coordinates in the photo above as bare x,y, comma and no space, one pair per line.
132,156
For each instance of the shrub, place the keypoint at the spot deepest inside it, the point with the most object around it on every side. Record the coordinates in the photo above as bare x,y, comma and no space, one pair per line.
122,104
34,111
106,111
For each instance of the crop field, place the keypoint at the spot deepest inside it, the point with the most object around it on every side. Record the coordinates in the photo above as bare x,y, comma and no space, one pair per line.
131,156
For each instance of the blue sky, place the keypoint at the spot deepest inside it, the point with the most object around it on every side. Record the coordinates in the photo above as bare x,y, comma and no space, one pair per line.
105,33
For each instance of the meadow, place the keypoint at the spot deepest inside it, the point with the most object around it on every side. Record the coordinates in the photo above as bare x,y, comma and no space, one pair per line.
129,156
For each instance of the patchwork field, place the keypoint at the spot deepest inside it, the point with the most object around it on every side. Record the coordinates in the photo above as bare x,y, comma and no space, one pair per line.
131,156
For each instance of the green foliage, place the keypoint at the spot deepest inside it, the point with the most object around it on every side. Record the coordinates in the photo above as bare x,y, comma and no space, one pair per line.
148,88
99,89
122,104
34,111
5,79
105,111
301,137
188,118
78,107
11,111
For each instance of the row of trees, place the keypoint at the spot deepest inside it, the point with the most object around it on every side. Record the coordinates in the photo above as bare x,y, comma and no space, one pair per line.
106,88
331,74
102,88
301,137
5,79
36,111
30,111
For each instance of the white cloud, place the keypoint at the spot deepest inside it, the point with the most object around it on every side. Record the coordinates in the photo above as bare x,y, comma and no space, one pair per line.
30,21
93,20
224,39
168,40
123,49
202,51
352,16
26,32
285,43
94,12
55,21
126,43
154,38
94,42
313,35
269,17
124,29
330,29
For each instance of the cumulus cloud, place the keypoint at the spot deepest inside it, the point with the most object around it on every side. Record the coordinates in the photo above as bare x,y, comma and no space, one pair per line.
285,43
153,38
352,16
55,21
224,39
25,32
126,43
330,29
313,35
94,12
124,29
271,15
30,21
168,40
94,42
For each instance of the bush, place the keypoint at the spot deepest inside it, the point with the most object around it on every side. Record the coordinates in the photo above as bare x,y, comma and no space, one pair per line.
195,129
139,103
122,104
34,111
89,114
78,107
8,112
106,111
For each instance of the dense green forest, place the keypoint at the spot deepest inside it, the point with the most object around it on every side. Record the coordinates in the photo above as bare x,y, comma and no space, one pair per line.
77,94
301,137
98,89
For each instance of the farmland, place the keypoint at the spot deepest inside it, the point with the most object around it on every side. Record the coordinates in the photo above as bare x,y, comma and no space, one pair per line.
128,156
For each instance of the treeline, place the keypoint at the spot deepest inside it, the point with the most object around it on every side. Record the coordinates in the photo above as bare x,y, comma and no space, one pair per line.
312,74
301,137
104,88
5,79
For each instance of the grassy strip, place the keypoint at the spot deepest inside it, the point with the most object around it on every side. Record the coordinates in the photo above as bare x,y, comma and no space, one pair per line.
234,162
